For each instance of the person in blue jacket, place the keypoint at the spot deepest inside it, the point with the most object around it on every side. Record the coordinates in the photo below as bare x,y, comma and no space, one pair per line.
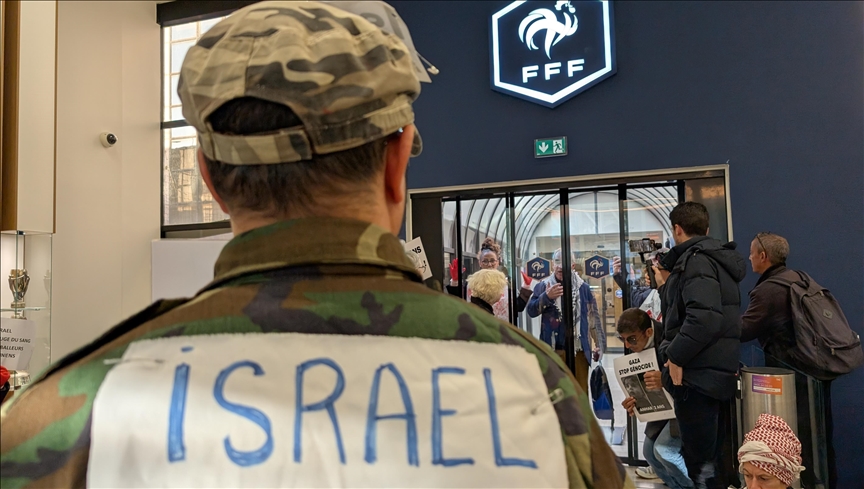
546,302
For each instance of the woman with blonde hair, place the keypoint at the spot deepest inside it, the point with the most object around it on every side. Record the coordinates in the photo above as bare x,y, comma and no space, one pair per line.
490,259
486,286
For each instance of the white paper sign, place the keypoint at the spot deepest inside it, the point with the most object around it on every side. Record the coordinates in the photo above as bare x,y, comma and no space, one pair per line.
416,246
16,343
296,410
651,405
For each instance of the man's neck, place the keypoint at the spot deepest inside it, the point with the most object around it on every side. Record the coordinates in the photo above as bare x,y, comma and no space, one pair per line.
244,222
241,225
771,268
684,238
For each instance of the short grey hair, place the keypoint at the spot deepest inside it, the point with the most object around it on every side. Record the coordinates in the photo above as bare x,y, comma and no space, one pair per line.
776,247
556,256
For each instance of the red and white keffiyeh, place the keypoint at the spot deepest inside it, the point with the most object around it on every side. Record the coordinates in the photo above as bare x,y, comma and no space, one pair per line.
774,448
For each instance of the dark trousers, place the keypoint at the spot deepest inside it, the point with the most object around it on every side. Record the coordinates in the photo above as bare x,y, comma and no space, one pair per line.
702,422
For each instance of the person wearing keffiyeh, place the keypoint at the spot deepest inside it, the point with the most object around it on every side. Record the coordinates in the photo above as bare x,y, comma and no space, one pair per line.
547,303
770,457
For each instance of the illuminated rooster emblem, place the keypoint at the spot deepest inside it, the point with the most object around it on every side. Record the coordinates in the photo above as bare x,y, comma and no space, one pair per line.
546,19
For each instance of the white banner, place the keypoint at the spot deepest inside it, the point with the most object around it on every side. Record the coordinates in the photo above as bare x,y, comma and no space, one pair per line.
415,246
651,405
296,410
16,342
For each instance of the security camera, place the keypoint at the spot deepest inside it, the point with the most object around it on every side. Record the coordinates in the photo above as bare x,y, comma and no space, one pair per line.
107,139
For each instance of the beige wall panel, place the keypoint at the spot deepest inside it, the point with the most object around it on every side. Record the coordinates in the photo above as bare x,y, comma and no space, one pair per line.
141,140
107,198
36,117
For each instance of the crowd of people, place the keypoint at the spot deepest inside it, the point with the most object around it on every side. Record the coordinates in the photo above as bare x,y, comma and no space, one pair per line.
304,114
691,316
697,342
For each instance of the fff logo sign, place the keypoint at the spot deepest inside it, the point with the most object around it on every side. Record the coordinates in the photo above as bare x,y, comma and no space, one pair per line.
597,267
548,52
538,268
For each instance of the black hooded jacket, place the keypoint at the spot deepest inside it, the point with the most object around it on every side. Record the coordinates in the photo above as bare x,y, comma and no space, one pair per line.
701,304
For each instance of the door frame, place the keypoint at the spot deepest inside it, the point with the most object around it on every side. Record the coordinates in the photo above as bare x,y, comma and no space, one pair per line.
592,180
564,186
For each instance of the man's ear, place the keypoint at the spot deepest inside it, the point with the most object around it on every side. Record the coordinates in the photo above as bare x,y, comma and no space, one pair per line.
205,175
396,158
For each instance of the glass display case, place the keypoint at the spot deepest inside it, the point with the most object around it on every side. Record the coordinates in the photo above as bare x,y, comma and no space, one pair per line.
25,304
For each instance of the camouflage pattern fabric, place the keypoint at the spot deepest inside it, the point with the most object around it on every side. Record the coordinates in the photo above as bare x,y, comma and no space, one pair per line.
347,80
324,276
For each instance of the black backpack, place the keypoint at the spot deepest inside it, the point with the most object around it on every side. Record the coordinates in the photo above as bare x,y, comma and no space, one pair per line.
826,347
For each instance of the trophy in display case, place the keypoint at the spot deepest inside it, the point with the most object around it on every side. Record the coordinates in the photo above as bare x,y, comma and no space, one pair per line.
18,283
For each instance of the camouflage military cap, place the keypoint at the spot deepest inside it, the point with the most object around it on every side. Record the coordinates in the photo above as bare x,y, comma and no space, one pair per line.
348,81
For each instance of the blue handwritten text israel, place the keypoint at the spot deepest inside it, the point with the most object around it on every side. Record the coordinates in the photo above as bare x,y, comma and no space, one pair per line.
177,414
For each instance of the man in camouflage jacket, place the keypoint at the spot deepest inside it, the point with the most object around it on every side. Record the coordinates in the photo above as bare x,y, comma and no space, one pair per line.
305,124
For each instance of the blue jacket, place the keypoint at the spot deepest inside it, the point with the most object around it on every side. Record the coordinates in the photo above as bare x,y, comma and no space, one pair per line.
552,330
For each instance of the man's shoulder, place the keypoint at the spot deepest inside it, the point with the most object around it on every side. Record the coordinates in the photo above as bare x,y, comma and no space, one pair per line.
776,283
695,261
784,276
46,426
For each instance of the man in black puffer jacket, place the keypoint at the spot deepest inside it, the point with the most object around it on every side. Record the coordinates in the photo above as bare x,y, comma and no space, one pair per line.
700,347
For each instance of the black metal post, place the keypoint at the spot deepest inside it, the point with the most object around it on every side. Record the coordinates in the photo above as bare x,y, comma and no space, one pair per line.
514,269
567,275
459,259
624,234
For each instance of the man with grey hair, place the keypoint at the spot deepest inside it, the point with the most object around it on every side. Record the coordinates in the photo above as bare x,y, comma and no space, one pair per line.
769,315
769,319
547,301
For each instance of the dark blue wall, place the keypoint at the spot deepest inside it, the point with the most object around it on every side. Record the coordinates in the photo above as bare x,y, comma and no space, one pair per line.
774,88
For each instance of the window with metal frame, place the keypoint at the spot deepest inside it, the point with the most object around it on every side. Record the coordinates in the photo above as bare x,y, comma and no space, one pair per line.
187,204
185,198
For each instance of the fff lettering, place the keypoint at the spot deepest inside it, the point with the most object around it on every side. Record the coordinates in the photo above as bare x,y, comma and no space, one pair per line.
246,458
552,69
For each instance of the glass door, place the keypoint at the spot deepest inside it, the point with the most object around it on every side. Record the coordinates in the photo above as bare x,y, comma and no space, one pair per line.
592,274
645,219
485,242
537,234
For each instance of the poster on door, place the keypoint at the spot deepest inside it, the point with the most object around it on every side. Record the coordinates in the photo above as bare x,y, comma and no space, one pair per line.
597,266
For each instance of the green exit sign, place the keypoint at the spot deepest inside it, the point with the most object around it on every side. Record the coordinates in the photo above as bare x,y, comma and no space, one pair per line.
544,148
